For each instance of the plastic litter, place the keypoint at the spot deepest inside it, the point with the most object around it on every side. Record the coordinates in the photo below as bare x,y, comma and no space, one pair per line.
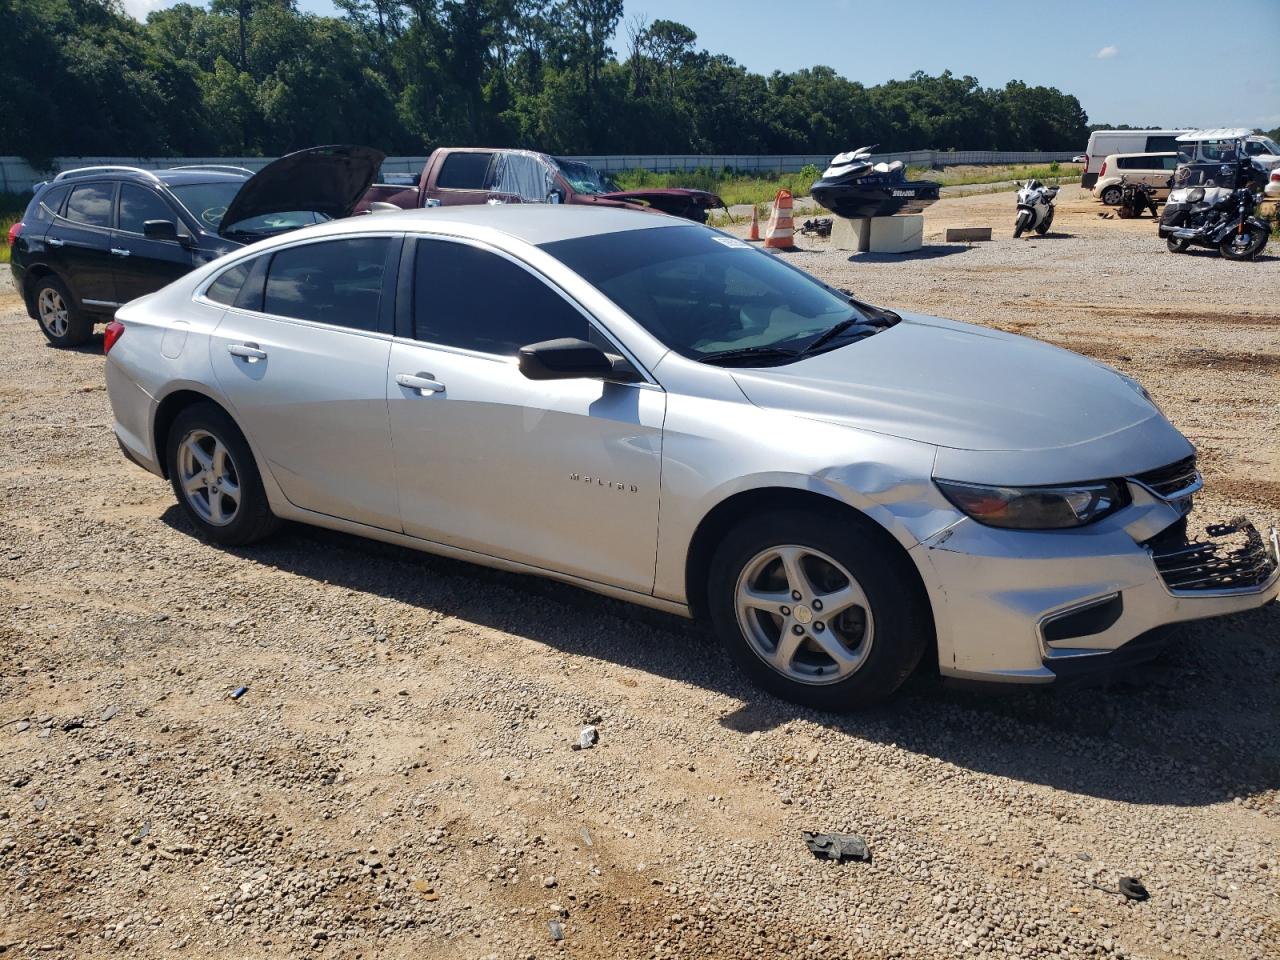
557,931
587,738
837,846
239,692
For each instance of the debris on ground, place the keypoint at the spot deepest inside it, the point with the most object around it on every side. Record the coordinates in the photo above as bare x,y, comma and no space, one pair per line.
1130,887
239,692
588,737
143,832
819,226
110,712
557,931
837,846
586,836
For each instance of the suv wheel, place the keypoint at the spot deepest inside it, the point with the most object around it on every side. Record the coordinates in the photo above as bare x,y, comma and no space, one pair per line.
215,478
817,610
61,323
1111,196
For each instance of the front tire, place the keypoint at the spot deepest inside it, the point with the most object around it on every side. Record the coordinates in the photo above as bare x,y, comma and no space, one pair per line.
816,609
1024,218
216,479
61,321
1234,248
1177,246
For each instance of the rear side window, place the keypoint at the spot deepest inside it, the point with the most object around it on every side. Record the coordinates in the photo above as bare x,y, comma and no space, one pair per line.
464,171
227,287
90,204
471,298
43,206
337,282
138,205
1162,144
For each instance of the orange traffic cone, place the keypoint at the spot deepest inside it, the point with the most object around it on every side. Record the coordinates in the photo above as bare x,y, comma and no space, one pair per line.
780,232
755,223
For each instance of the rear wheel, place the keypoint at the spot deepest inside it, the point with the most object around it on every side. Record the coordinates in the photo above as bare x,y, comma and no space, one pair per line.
1043,227
1111,196
817,610
1244,246
62,323
215,478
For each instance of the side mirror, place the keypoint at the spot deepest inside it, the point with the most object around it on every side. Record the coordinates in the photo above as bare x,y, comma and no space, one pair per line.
161,230
564,359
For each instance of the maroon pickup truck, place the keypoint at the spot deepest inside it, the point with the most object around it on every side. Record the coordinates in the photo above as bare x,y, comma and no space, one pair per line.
482,175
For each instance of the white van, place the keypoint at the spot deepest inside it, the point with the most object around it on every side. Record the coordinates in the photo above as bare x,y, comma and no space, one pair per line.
1103,143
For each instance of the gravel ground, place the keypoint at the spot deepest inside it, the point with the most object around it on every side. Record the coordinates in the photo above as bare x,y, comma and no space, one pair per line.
398,780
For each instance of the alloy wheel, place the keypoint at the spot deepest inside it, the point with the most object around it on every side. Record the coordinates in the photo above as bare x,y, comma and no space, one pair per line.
804,614
208,477
53,312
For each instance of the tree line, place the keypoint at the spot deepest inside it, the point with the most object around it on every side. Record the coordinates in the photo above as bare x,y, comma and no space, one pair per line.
259,77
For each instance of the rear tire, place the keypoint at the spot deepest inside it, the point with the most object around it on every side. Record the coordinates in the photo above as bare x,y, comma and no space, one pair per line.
216,479
1043,227
60,320
860,624
1111,196
1257,240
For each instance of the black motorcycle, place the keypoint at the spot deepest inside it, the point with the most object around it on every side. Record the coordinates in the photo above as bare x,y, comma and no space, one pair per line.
1220,217
1135,200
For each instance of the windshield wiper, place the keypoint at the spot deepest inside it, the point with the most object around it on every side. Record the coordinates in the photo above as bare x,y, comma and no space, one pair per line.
842,327
749,354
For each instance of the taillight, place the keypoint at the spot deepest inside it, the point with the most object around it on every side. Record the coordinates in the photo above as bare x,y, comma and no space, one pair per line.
1103,172
15,231
1086,163
114,331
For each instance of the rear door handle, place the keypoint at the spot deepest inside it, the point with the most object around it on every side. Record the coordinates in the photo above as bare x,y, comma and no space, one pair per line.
423,385
118,252
249,351
54,242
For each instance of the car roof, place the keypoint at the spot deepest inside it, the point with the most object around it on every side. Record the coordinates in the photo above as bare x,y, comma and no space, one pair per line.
177,178
171,178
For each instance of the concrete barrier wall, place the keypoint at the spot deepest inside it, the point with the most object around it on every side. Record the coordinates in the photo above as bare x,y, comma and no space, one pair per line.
18,176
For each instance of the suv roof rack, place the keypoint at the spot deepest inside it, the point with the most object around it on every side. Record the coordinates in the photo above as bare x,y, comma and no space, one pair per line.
213,166
78,172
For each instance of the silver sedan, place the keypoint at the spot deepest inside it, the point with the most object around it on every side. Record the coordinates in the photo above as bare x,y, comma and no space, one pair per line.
656,411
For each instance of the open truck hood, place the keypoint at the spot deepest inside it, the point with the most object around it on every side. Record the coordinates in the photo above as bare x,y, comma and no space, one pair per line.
329,180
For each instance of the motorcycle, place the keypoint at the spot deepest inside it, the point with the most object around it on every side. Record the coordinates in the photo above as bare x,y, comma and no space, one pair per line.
1219,218
1035,208
1135,200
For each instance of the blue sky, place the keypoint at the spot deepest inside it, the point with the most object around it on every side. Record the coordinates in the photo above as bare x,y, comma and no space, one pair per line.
1165,62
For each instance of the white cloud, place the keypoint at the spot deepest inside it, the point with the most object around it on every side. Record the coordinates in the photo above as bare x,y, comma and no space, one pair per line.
138,9
1106,53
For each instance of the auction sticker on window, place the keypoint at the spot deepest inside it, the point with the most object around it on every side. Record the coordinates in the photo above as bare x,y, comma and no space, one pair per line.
733,242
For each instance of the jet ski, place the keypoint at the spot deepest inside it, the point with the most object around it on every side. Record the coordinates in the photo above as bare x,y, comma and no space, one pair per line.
852,186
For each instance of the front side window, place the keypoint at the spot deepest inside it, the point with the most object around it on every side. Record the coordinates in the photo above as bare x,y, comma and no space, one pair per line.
337,282
138,205
471,298
703,293
464,171
90,204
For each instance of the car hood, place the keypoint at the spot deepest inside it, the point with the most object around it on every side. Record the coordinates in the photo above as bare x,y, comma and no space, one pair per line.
701,197
968,388
328,180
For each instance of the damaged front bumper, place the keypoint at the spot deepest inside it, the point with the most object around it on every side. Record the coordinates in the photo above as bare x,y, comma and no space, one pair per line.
1040,606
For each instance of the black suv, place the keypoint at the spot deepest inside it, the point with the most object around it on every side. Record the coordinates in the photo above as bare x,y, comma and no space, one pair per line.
97,237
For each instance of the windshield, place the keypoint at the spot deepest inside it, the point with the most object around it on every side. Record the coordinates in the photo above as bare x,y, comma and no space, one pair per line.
207,202
704,293
584,178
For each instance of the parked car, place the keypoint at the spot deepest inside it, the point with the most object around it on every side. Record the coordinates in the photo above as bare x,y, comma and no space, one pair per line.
1211,158
472,175
94,238
1153,169
844,489
1103,143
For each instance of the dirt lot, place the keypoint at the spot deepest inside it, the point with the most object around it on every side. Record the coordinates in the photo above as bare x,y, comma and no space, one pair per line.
398,779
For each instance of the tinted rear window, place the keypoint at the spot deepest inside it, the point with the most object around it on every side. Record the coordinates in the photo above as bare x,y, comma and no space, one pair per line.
44,205
337,282
90,204
227,286
464,171
1162,144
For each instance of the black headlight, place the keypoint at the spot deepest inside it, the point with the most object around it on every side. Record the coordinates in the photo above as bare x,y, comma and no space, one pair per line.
1035,508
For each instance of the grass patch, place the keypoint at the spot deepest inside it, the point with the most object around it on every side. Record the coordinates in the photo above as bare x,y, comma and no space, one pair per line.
759,188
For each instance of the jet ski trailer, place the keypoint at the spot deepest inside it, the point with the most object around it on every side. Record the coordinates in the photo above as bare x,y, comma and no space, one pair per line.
854,187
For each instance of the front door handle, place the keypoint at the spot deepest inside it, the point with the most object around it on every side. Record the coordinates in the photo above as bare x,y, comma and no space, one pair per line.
119,252
423,385
249,351
54,242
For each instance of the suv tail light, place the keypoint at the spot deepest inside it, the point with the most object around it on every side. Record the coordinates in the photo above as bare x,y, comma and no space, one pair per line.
1103,172
114,331
15,231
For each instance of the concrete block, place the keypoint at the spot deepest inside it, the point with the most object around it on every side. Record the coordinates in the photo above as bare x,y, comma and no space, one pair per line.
967,234
897,234
852,235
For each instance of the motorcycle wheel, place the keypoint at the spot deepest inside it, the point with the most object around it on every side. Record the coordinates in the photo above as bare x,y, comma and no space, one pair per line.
1236,247
1043,227
1177,246
1021,224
